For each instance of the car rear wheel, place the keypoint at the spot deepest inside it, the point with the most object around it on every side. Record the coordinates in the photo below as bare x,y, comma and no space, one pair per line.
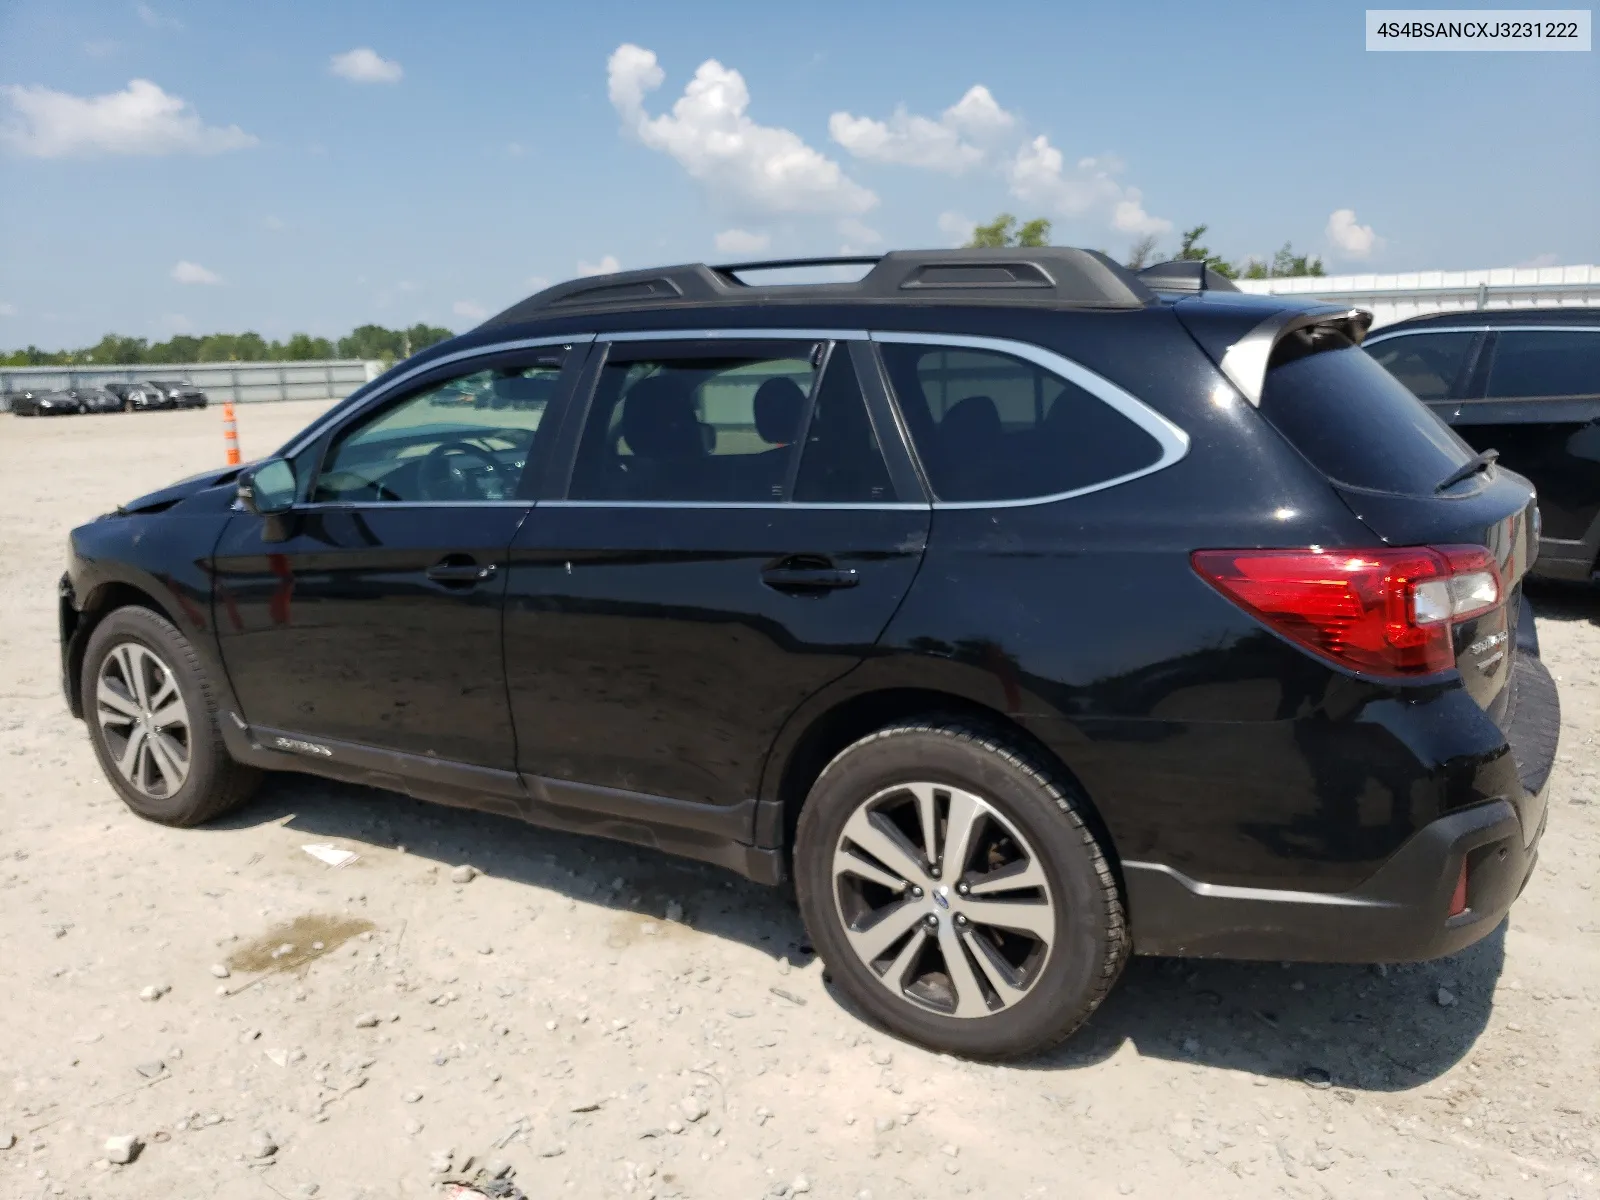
154,722
955,891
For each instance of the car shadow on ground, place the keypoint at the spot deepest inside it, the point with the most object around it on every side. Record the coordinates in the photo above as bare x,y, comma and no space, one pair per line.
1360,1027
1554,600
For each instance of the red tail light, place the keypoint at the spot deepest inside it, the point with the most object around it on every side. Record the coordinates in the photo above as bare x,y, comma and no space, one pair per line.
1385,612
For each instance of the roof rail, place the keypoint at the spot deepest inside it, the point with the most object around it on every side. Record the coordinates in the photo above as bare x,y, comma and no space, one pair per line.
1055,276
1186,275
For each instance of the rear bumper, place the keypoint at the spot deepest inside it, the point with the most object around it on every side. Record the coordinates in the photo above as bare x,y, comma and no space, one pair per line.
1401,913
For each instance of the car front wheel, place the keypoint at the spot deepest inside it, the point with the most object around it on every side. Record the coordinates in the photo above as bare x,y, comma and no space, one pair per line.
154,722
956,893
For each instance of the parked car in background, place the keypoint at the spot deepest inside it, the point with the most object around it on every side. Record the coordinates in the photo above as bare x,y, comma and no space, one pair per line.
1524,383
1028,612
15,401
96,399
139,397
46,404
182,395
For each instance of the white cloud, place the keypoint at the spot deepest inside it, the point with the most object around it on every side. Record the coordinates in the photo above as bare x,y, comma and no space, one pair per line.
101,48
515,149
189,272
956,227
908,140
914,141
365,65
156,20
1039,175
275,224
740,241
537,282
608,265
758,168
978,115
8,310
858,231
142,119
469,310
1129,216
1540,260
1350,239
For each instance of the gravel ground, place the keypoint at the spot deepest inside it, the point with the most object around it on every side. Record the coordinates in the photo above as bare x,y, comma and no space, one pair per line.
613,1022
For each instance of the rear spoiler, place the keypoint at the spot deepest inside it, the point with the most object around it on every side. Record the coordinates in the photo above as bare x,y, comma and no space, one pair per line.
1244,357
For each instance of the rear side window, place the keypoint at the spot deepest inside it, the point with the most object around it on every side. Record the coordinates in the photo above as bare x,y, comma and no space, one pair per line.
1539,362
722,427
1430,364
988,426
1356,423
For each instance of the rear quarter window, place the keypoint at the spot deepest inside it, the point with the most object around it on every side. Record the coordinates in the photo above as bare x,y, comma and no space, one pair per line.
1354,421
989,426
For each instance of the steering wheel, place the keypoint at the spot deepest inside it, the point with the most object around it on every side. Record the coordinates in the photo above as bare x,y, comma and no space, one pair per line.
439,478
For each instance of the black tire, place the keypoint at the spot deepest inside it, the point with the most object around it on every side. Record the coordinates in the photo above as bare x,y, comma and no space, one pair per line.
1091,940
214,782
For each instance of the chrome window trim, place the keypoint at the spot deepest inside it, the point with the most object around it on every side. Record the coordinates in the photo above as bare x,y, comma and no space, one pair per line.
348,505
734,335
1381,336
323,424
776,505
1172,439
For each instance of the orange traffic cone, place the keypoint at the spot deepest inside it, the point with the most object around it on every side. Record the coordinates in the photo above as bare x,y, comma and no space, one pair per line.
230,434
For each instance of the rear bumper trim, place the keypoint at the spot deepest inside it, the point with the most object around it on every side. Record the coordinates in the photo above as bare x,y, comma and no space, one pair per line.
1400,914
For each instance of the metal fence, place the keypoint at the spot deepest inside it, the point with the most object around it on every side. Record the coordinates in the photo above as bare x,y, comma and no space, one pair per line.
1393,298
240,382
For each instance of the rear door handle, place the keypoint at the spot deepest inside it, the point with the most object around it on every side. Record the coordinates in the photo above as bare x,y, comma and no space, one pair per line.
808,574
460,569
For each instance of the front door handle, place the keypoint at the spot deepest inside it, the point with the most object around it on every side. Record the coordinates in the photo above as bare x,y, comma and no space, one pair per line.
460,569
807,573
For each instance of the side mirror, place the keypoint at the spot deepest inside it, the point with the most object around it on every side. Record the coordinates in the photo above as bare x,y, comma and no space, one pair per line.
268,488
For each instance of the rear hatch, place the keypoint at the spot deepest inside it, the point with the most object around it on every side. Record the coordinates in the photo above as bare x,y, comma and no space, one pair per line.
1410,479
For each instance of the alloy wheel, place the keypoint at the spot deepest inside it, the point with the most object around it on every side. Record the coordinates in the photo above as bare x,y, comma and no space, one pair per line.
143,719
943,899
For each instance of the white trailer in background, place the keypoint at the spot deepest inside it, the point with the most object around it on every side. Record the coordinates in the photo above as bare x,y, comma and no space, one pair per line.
1393,298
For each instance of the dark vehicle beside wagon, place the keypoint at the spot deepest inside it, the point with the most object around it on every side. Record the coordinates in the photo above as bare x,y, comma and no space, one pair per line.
1526,384
1025,611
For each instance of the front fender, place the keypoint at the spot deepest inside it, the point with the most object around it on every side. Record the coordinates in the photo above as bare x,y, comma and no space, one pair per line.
161,560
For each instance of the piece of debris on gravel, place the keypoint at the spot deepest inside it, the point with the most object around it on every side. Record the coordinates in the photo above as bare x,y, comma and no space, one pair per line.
123,1148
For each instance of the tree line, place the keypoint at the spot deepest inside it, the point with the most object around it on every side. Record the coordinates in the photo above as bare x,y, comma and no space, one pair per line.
366,342
1004,230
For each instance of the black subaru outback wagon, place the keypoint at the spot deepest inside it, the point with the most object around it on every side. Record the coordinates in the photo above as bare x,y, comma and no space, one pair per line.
1027,612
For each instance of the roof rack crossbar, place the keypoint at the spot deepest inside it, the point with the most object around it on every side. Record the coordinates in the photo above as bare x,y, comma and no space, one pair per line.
779,264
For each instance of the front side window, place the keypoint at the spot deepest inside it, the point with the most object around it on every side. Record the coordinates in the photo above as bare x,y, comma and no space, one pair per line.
722,426
1430,364
990,426
1538,362
463,440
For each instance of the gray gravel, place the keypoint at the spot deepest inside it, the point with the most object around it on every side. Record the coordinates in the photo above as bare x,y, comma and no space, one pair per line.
596,1029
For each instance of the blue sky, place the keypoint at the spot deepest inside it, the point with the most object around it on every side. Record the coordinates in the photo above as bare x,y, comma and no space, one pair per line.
313,166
